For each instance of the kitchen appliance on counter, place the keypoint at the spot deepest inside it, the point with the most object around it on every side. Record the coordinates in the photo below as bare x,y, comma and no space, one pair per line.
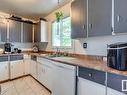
35,48
7,47
117,56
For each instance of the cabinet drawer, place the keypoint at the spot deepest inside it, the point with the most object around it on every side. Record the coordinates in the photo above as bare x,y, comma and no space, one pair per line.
3,58
115,81
92,75
16,57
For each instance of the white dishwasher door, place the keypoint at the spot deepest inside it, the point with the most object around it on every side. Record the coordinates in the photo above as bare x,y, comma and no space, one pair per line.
64,79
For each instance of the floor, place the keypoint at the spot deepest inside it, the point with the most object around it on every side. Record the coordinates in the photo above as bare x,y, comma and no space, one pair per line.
23,86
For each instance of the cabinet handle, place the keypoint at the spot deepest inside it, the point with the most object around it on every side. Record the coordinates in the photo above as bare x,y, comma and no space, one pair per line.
118,18
90,26
84,27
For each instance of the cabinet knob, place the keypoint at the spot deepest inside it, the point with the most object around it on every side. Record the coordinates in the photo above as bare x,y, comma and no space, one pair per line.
90,75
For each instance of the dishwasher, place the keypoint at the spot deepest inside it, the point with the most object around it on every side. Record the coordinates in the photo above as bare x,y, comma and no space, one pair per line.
64,79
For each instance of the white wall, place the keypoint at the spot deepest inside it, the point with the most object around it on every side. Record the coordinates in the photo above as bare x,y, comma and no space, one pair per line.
96,45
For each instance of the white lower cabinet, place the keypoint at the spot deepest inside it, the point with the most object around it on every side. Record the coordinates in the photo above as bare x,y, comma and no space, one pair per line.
45,72
16,69
114,92
4,71
27,63
86,87
33,69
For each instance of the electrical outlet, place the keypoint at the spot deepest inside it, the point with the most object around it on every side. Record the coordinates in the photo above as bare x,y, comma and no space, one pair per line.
84,45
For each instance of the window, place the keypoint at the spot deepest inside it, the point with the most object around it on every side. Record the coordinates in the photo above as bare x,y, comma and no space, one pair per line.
61,33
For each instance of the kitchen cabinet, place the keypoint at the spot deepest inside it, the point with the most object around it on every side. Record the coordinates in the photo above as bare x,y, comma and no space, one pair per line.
3,32
91,82
64,79
14,31
37,32
16,68
99,17
114,84
91,18
87,87
45,72
27,63
27,32
40,31
114,92
120,16
33,66
79,19
4,68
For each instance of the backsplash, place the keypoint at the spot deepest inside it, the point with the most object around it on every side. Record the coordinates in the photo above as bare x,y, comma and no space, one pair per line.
97,45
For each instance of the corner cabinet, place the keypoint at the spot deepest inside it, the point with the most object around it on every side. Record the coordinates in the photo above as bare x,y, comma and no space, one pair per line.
14,31
40,31
27,32
79,19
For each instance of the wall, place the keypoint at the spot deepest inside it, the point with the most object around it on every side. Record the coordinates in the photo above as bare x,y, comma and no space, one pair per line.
96,45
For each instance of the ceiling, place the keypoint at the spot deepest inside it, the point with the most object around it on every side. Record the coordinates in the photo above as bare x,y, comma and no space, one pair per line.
30,8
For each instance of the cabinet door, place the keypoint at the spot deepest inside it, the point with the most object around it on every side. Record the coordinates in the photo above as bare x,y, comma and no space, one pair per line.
14,31
33,69
4,71
99,17
120,16
39,71
17,68
78,19
47,76
27,66
27,32
86,87
114,83
3,32
114,92
37,34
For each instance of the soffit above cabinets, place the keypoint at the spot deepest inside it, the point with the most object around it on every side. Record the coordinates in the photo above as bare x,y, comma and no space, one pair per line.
30,8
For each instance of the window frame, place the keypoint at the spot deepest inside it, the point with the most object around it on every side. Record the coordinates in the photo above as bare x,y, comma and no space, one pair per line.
60,47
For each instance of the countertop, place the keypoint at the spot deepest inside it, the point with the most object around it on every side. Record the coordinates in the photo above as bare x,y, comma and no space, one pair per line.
92,63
